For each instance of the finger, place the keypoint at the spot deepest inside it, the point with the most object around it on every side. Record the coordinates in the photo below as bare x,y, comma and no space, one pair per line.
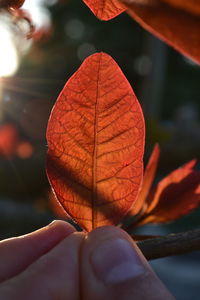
112,267
55,275
17,253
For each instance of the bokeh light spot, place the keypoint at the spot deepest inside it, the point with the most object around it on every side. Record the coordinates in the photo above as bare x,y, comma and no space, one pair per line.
75,29
24,150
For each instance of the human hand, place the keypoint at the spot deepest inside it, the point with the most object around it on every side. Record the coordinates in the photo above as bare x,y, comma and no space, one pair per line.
58,263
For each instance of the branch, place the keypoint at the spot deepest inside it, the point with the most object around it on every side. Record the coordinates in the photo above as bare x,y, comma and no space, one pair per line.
172,244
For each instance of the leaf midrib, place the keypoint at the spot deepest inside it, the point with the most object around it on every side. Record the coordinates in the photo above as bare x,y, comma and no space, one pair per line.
94,166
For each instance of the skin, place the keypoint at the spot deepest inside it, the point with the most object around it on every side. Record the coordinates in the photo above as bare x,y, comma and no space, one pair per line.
58,263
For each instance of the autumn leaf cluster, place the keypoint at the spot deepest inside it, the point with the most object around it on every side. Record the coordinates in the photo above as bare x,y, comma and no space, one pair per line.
95,140
96,131
176,22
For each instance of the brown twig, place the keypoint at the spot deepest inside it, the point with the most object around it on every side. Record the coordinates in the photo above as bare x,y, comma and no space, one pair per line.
172,244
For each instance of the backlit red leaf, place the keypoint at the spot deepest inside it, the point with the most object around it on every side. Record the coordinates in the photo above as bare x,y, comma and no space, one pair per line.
149,174
174,177
192,6
96,138
56,207
176,195
177,27
105,9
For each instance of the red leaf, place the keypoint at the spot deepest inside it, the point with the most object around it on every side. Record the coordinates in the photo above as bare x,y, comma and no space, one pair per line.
176,176
11,3
8,140
189,165
105,9
176,195
96,138
56,207
149,174
174,26
192,6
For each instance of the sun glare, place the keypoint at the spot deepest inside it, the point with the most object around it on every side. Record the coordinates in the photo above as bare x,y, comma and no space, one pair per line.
8,53
39,13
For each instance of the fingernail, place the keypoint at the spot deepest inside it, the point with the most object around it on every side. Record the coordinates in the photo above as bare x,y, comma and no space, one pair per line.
115,261
52,223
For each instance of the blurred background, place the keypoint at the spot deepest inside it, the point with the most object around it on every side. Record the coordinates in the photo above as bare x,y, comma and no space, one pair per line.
33,72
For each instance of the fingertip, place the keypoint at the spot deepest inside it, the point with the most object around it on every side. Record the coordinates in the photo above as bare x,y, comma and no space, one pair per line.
105,232
50,235
61,226
114,256
57,272
114,267
54,275
17,253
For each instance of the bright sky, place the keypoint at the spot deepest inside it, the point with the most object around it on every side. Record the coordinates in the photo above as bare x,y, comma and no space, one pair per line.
9,50
9,59
38,11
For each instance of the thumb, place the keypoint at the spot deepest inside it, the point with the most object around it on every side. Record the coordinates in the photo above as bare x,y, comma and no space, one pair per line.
112,267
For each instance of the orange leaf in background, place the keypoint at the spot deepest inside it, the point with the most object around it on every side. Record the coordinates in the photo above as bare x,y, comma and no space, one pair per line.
174,196
24,150
176,23
149,175
95,137
8,140
177,175
105,9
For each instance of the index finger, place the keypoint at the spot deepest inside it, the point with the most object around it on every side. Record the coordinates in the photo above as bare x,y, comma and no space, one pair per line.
17,253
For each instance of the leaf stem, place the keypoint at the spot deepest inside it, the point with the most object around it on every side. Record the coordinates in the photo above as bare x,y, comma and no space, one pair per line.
172,244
